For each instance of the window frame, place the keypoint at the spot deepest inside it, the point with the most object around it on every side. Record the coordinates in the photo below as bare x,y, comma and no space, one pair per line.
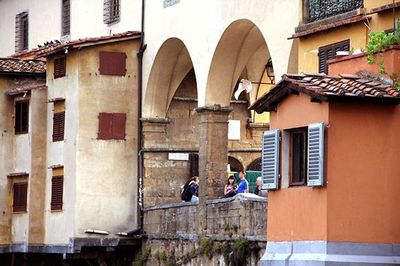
328,52
111,11
304,131
65,18
22,31
60,67
19,127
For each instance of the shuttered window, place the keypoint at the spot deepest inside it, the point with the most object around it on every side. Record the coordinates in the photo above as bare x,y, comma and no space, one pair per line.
111,126
57,183
315,155
329,52
112,63
66,18
194,164
298,156
21,117
111,11
20,191
21,31
270,159
60,65
58,126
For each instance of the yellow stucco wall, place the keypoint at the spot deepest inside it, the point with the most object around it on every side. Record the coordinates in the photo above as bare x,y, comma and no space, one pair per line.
357,33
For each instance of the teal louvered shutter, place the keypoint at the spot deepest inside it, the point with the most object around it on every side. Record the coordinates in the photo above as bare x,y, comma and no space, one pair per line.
315,153
270,159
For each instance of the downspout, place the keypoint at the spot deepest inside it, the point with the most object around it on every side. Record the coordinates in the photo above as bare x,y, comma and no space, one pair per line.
142,48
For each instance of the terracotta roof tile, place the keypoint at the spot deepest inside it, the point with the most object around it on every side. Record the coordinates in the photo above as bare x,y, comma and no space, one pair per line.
57,46
14,65
325,88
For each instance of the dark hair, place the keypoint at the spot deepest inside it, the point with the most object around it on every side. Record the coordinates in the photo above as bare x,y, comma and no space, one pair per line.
231,177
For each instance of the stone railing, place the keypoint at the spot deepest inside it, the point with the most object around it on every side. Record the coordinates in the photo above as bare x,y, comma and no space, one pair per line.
244,215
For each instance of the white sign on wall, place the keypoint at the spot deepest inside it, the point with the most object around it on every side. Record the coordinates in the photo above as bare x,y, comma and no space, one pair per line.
234,130
172,156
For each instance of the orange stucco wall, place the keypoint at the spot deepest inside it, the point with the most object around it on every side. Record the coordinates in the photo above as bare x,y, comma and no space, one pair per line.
298,213
364,173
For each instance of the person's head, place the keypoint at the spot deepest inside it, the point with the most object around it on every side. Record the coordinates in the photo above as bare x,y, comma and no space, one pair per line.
259,181
242,174
196,179
231,180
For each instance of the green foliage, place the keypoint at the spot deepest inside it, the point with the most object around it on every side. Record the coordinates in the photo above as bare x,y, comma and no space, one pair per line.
226,252
240,247
206,247
231,229
161,257
142,257
378,41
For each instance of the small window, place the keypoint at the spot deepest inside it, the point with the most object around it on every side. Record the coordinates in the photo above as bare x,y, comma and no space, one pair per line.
20,191
57,183
58,126
111,126
21,32
60,64
111,11
65,19
112,63
328,52
298,156
21,117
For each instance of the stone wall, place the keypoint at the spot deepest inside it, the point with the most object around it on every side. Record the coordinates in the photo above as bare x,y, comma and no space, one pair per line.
176,232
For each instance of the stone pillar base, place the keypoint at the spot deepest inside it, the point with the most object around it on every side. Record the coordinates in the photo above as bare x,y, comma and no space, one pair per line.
330,253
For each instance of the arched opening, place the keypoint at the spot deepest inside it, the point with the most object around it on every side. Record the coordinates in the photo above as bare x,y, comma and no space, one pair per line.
234,164
254,165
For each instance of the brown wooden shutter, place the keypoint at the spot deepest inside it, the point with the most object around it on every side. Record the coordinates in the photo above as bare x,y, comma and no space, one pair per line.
21,117
112,63
111,11
328,52
57,193
58,126
194,164
105,126
21,31
118,126
65,28
60,65
20,191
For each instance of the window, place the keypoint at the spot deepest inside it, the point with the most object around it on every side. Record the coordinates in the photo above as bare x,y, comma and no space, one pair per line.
111,11
58,126
111,126
329,52
21,31
21,117
65,19
59,67
298,156
20,191
302,150
57,183
112,63
194,164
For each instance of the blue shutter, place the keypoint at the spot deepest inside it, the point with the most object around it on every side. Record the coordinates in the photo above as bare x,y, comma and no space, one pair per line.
270,159
315,153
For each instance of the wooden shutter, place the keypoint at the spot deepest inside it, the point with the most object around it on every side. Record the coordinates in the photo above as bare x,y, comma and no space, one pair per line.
194,164
105,126
60,65
20,191
111,11
112,63
315,173
118,125
57,193
66,15
21,118
58,126
270,159
21,31
328,52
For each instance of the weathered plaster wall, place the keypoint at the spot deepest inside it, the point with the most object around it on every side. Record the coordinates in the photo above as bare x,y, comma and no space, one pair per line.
6,162
106,174
363,181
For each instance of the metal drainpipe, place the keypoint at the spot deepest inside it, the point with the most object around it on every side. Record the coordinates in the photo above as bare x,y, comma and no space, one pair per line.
142,48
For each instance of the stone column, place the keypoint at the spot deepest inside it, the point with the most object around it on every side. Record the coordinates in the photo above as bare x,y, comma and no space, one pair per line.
213,152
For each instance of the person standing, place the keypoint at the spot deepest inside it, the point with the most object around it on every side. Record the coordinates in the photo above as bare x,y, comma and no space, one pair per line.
243,185
257,189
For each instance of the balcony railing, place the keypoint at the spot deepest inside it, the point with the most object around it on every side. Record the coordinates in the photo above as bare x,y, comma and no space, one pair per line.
314,10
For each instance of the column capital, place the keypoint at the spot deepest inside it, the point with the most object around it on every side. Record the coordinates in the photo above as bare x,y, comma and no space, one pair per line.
216,108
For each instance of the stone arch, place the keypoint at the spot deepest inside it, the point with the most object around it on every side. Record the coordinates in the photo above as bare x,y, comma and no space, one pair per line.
242,44
171,65
255,165
235,164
